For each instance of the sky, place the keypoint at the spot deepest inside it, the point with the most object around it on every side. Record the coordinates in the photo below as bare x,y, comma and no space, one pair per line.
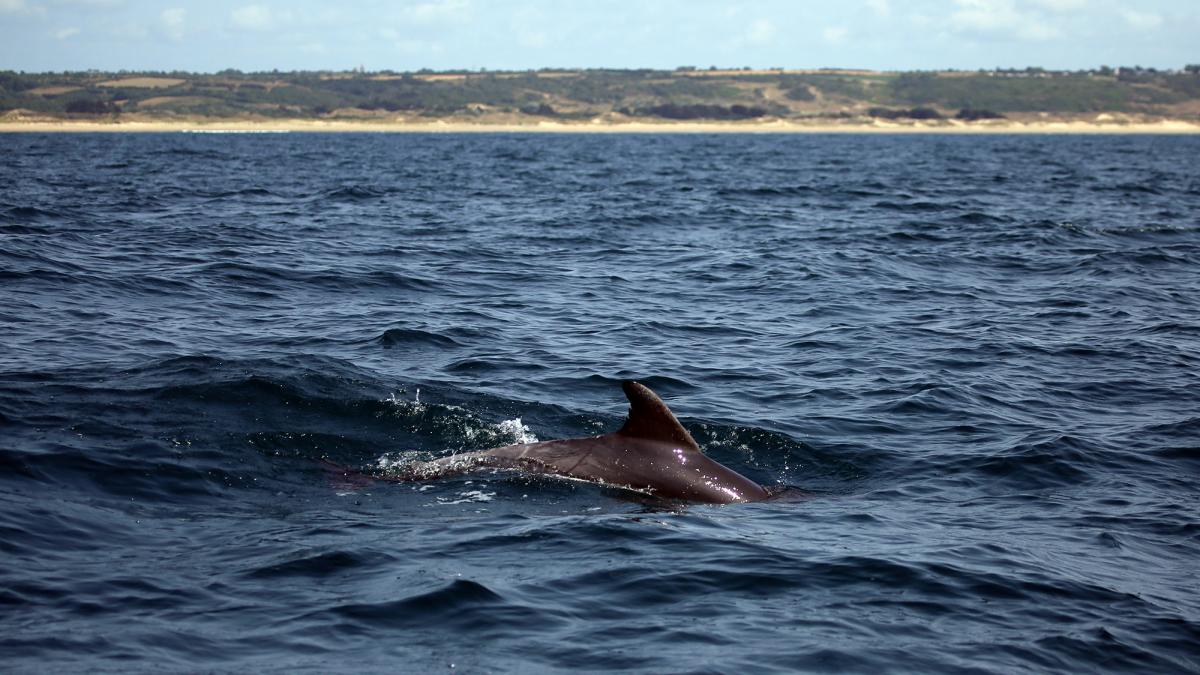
407,35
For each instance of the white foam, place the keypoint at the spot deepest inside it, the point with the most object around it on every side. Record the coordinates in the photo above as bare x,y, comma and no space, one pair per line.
468,497
517,430
413,407
475,433
401,458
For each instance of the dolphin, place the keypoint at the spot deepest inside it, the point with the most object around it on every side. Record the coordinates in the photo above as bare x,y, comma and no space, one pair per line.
651,453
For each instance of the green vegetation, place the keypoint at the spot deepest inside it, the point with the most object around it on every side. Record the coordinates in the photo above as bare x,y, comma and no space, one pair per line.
683,93
697,111
1067,93
910,114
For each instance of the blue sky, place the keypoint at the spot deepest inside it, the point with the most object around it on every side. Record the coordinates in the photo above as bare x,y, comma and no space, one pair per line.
38,35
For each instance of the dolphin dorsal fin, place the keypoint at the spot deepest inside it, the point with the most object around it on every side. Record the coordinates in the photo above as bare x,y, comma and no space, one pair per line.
651,419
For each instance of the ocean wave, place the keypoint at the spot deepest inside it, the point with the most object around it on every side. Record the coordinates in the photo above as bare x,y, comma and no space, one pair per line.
964,366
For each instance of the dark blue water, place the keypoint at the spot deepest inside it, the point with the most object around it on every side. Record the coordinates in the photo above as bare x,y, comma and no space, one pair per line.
979,355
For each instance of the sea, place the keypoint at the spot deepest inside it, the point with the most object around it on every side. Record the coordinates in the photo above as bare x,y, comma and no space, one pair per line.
971,362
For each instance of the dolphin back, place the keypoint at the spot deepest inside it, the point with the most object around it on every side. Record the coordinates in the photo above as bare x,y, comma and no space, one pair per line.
651,419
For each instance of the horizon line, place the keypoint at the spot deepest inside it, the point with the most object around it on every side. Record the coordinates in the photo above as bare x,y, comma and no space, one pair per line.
1188,67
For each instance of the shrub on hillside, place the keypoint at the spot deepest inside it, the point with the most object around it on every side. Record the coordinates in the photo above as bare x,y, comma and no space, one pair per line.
904,113
90,106
972,114
696,111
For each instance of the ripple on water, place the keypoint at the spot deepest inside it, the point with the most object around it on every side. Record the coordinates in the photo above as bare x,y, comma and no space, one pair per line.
969,386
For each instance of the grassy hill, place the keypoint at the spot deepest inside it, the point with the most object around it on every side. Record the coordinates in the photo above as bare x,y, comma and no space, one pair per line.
683,93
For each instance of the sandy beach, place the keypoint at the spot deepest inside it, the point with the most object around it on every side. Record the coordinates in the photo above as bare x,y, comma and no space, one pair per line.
1098,125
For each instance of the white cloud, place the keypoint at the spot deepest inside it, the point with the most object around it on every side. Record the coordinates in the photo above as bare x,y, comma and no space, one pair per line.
881,8
92,3
129,31
835,35
760,32
12,5
173,20
999,17
437,10
421,47
984,15
1061,5
1141,20
533,38
529,27
253,17
1036,30
65,33
409,45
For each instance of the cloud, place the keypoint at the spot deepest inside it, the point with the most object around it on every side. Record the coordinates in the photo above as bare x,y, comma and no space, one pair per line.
535,39
1061,5
65,33
984,15
1141,20
760,32
12,5
531,27
881,8
1036,30
253,17
419,47
409,45
398,25
129,31
436,11
999,17
172,21
835,35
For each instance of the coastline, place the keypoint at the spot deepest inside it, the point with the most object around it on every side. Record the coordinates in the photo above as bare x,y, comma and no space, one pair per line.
598,125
